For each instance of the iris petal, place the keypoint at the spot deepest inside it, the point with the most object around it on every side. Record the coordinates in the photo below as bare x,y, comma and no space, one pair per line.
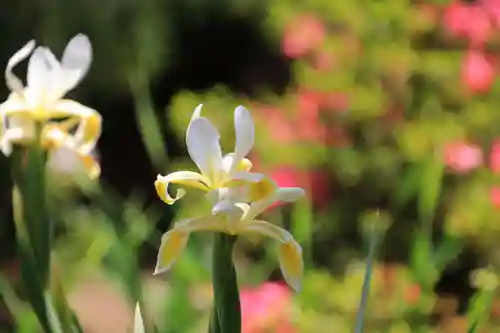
291,263
186,178
203,146
172,244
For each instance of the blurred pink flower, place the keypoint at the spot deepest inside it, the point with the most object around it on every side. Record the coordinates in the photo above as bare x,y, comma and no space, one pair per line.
495,156
469,21
309,125
477,72
315,182
265,308
492,7
462,157
302,35
495,196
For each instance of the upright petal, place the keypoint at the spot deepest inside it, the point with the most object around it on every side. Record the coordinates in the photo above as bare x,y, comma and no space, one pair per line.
203,146
172,244
13,82
76,61
39,76
245,135
291,263
186,178
138,321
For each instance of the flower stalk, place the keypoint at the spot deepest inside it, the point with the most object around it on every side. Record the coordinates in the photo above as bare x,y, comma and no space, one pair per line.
226,316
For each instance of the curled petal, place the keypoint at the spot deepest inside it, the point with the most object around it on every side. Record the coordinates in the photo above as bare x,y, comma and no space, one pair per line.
291,263
245,135
172,244
186,178
203,146
13,82
15,135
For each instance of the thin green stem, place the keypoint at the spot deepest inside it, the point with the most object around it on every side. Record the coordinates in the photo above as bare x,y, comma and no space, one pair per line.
366,283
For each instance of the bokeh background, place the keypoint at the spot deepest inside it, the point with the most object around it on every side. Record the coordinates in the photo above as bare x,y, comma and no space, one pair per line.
386,112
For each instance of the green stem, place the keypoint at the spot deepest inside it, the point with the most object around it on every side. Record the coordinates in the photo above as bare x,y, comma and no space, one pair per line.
226,317
366,283
33,226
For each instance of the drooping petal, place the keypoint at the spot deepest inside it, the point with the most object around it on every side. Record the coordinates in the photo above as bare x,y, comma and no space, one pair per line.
292,263
13,82
172,244
245,135
76,61
90,125
138,321
203,146
174,241
185,178
266,229
290,252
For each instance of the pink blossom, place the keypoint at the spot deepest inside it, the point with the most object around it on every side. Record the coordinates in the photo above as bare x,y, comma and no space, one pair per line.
303,35
492,7
477,72
495,196
469,21
462,157
265,308
495,156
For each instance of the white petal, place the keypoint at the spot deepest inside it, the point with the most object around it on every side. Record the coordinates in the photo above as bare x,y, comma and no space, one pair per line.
245,134
13,82
230,209
196,113
138,321
267,229
76,60
203,146
39,75
289,194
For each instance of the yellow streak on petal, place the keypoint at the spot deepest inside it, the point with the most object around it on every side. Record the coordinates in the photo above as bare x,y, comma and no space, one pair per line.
172,244
185,178
291,263
261,190
91,166
162,191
